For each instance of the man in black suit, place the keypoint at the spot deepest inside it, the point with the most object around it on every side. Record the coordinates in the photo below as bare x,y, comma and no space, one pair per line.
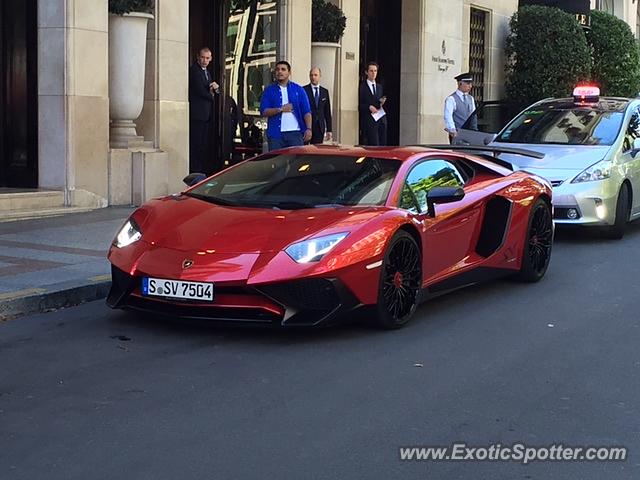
371,100
320,108
202,90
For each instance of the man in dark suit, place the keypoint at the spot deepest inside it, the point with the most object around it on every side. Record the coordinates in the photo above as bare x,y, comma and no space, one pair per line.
202,91
371,100
320,108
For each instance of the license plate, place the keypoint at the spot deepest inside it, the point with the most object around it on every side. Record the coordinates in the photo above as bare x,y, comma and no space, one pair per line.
161,287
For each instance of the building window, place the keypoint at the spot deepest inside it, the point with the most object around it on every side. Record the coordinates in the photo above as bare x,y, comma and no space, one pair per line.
251,51
477,51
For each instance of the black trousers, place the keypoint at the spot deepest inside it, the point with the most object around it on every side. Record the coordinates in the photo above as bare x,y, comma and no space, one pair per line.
375,132
198,143
317,138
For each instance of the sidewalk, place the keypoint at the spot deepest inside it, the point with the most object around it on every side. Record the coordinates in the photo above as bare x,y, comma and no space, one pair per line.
54,262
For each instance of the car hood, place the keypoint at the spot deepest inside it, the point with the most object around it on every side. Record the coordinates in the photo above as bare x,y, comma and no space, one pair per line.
192,225
567,158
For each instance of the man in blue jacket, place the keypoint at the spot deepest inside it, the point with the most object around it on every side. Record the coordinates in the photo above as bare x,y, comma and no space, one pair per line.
286,106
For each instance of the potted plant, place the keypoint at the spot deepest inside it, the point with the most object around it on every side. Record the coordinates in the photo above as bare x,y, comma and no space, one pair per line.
127,55
327,22
327,27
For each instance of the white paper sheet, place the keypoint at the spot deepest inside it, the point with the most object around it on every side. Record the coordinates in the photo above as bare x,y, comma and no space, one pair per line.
379,114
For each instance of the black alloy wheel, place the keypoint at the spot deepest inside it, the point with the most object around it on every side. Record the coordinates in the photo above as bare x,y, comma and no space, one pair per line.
538,243
400,281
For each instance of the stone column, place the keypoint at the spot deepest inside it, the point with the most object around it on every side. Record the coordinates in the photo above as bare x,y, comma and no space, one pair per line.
52,131
412,69
346,109
441,58
167,103
73,99
297,41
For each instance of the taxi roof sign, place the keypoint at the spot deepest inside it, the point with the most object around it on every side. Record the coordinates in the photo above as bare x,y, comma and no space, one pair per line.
586,93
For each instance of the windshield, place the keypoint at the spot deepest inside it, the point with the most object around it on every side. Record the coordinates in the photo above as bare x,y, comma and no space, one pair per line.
565,126
290,181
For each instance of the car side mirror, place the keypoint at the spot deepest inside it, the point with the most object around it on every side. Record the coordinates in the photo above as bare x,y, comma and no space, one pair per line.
193,178
442,195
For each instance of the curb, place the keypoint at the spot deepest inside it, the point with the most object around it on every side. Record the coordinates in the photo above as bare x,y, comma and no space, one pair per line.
48,301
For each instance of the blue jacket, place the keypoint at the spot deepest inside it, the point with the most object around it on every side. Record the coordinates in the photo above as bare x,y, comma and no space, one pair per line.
272,98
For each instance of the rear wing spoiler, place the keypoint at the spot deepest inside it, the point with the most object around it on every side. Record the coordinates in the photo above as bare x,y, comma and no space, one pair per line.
489,153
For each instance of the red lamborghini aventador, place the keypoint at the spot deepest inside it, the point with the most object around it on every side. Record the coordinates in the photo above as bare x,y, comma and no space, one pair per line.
305,235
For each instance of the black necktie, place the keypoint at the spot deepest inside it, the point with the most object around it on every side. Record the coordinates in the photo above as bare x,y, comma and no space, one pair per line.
374,89
206,76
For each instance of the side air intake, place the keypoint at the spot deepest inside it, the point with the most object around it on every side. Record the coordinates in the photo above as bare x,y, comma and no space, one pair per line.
494,226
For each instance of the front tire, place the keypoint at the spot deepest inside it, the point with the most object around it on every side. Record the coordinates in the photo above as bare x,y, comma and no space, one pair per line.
538,241
623,210
400,282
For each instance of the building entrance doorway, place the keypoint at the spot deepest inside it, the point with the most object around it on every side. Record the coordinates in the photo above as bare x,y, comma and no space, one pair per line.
206,27
18,94
244,38
380,42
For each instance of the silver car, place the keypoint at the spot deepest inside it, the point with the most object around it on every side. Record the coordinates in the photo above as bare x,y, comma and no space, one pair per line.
591,147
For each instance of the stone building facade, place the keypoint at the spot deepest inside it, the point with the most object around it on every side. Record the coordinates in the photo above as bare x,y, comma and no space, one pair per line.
420,44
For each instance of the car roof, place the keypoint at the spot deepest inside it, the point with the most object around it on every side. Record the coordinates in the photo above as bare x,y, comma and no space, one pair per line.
387,152
608,104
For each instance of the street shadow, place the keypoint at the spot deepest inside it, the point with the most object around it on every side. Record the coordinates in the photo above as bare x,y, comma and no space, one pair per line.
173,326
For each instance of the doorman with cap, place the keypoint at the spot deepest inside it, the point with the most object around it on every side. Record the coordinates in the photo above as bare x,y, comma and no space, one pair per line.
459,106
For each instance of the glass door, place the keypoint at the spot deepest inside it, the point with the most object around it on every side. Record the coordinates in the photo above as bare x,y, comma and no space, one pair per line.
251,51
243,36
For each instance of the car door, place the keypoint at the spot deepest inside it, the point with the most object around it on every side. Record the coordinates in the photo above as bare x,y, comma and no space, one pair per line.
484,123
447,237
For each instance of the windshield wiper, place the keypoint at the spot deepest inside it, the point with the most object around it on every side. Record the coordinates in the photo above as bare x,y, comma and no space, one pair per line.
211,199
330,205
292,205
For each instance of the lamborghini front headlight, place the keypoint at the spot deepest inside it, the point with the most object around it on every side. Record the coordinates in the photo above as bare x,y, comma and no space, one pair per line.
314,249
128,234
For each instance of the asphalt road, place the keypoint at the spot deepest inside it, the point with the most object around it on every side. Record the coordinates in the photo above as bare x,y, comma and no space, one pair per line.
92,393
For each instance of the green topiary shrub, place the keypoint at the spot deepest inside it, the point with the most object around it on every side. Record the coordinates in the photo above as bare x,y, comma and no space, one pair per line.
616,58
547,55
327,22
120,7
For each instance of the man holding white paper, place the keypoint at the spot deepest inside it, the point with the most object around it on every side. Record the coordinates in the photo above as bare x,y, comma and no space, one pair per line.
373,119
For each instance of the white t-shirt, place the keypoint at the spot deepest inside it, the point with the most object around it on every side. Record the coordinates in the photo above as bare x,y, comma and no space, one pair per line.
289,122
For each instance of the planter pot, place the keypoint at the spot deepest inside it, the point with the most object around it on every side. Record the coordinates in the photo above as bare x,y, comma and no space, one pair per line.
323,56
127,55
